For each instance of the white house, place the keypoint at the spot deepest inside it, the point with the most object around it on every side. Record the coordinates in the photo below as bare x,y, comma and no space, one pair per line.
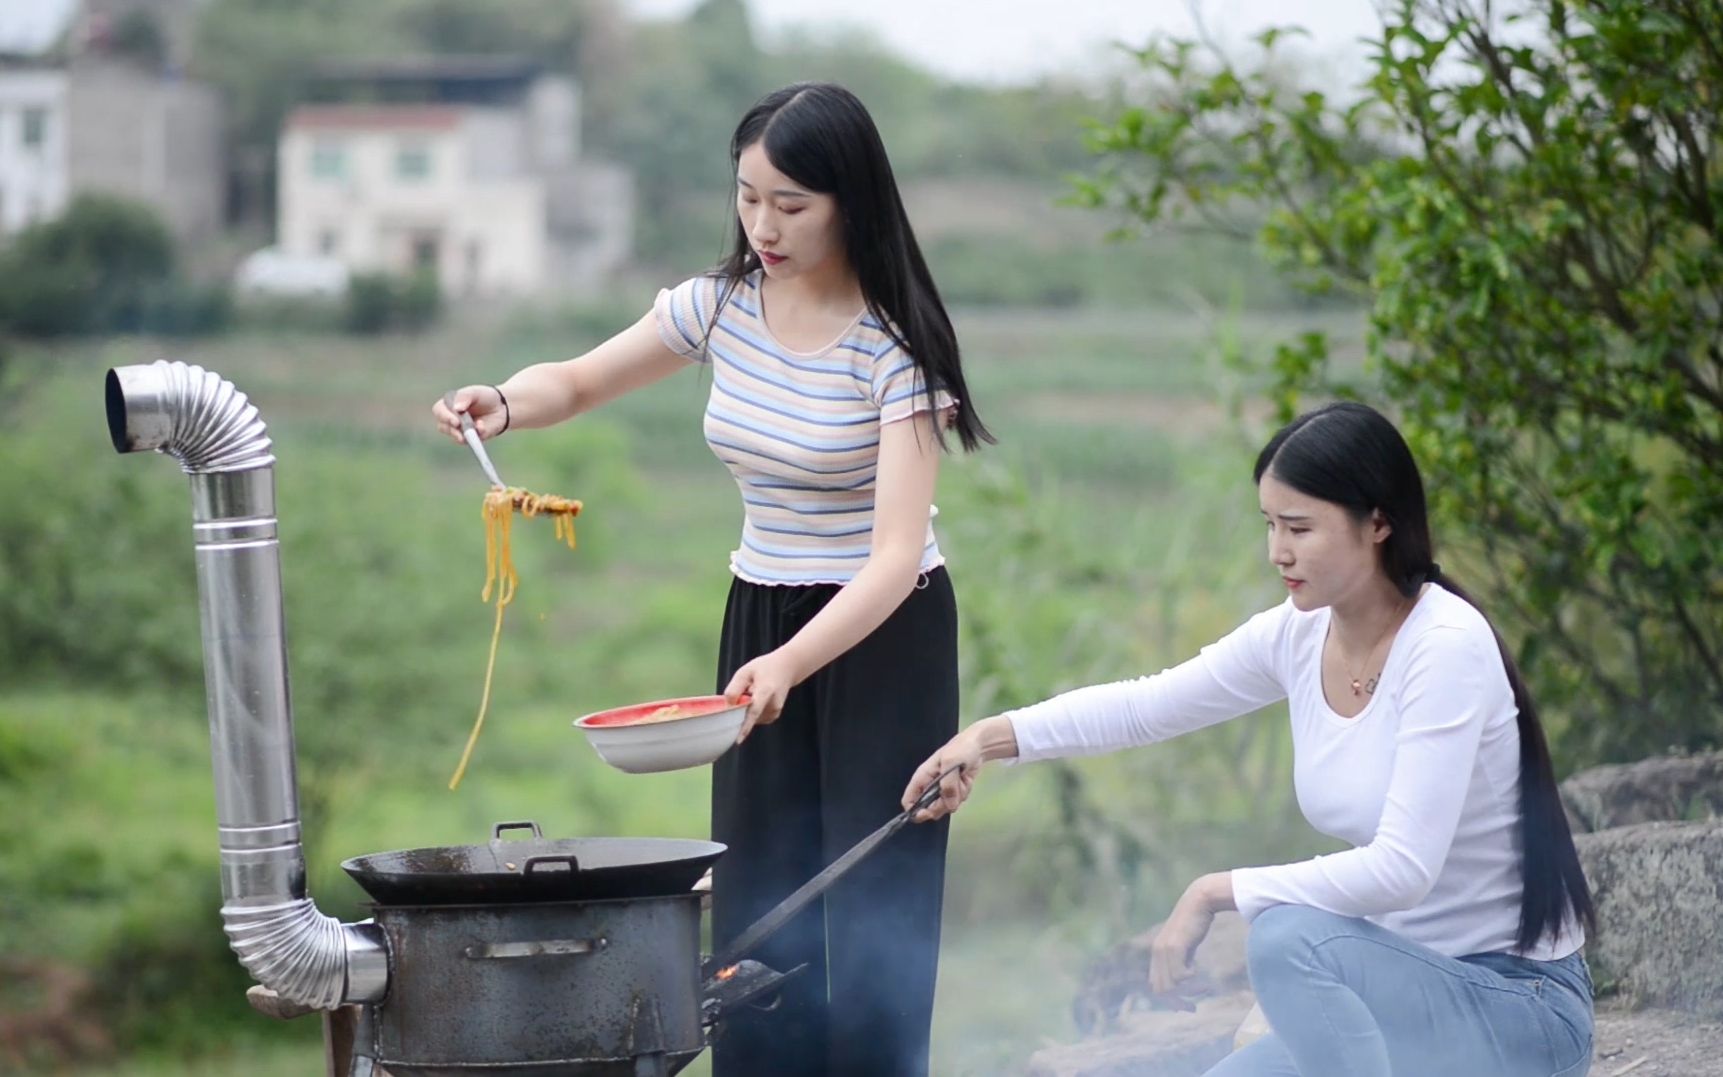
468,165
34,177
87,117
399,188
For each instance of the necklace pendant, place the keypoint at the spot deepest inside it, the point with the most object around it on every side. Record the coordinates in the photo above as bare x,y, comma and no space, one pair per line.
1357,688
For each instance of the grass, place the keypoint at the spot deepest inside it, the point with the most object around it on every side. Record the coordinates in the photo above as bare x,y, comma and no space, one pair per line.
1110,533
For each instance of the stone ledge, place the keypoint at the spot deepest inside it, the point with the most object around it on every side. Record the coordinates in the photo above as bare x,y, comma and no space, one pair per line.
1678,788
1660,913
1627,1043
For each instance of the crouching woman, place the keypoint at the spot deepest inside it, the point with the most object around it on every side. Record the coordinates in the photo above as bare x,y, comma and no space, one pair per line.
1446,940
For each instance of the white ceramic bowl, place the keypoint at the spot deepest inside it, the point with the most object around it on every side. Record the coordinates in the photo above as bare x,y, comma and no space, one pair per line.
641,740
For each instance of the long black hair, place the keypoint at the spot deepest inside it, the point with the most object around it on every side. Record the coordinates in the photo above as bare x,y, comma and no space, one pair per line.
1349,454
821,136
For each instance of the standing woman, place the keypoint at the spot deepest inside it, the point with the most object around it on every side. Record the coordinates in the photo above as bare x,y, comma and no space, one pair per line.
835,379
1446,940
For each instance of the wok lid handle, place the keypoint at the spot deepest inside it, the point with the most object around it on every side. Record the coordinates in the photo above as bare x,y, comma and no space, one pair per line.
498,828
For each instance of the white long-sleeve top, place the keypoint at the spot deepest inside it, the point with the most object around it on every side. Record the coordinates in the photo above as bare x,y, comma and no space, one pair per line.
1423,783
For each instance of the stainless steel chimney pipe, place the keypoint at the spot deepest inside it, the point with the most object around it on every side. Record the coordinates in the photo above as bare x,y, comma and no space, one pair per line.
209,426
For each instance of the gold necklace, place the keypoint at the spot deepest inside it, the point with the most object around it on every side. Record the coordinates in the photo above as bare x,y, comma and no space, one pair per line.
1363,687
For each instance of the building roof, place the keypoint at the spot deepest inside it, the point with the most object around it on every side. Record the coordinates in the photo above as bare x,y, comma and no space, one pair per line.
374,117
446,67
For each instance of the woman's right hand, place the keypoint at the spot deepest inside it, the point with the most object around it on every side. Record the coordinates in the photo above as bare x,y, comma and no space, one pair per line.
962,750
484,403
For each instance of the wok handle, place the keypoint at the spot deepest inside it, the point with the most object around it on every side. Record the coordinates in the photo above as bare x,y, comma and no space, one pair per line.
532,862
498,828
541,948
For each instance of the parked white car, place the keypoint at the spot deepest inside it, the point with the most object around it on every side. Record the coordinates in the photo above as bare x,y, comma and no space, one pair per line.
272,271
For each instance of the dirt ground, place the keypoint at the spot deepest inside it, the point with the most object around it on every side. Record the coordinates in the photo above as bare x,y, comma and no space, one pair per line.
1655,1043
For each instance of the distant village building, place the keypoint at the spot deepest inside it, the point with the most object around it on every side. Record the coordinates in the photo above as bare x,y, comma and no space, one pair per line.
80,115
34,178
470,168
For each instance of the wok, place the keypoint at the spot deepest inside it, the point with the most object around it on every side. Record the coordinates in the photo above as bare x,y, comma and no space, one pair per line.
533,869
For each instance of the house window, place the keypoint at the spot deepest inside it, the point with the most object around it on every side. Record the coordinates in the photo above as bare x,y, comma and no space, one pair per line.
413,162
475,263
35,127
424,252
328,160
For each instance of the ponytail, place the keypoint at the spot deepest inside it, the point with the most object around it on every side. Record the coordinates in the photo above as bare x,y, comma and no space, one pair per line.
1554,891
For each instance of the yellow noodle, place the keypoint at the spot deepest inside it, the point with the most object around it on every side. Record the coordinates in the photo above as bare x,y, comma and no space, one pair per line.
500,576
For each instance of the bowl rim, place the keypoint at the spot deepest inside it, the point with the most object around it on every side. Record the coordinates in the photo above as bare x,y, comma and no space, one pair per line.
592,721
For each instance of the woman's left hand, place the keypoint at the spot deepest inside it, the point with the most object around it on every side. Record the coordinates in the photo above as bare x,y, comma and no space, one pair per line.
768,679
1175,945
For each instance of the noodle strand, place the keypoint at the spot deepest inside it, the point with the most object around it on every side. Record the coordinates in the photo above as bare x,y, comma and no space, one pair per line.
501,578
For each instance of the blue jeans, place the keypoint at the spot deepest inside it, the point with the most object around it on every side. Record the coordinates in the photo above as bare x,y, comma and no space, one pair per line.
1347,998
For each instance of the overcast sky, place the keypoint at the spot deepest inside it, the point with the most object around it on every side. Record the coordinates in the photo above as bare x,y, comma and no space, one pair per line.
984,40
1017,40
27,25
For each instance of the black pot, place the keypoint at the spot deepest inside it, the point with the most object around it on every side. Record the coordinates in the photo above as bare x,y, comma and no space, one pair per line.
551,989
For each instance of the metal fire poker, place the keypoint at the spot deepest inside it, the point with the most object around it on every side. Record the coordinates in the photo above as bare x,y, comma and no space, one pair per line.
819,884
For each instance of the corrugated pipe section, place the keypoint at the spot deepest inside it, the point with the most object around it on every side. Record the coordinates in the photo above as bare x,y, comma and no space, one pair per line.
215,433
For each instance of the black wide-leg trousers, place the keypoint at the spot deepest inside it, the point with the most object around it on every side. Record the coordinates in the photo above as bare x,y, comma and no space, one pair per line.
802,791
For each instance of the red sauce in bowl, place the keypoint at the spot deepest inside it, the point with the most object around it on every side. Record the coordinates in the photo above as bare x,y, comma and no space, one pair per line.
652,713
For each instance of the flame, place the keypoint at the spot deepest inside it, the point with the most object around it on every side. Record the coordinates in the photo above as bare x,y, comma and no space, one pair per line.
725,973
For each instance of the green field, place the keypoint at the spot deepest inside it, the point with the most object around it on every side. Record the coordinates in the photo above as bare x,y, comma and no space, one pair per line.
1112,531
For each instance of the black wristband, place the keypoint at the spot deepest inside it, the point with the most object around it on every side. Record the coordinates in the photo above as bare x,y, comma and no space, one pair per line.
508,417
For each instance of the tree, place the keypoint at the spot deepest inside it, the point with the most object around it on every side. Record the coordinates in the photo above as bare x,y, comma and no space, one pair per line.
138,37
1528,204
686,86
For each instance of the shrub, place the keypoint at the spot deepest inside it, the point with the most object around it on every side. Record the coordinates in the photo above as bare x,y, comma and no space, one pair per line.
381,302
107,265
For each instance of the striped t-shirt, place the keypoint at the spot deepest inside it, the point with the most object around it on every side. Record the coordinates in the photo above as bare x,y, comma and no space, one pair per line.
798,430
